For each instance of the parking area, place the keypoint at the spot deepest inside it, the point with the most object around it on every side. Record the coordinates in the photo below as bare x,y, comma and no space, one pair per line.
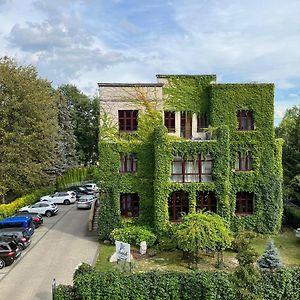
57,247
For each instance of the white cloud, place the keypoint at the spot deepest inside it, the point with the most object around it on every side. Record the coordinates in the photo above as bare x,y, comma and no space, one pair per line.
88,41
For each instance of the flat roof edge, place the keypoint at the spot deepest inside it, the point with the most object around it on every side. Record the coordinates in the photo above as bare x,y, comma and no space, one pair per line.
185,75
111,84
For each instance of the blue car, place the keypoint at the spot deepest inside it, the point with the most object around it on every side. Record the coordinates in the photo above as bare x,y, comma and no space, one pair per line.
25,222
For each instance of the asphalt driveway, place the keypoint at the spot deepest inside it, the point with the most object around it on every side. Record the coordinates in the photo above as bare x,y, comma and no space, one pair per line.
57,248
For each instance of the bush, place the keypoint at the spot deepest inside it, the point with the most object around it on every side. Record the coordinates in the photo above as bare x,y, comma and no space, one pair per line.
210,285
167,243
292,216
64,292
7,210
134,235
242,240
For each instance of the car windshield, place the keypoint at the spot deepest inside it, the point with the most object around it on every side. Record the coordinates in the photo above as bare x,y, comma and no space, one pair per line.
12,245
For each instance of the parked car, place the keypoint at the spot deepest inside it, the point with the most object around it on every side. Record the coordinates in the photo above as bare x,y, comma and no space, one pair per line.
86,201
80,191
25,222
297,231
21,235
9,251
92,187
60,198
43,208
37,218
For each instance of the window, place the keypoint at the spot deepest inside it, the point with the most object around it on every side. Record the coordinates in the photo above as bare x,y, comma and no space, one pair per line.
202,121
128,120
243,162
178,205
244,203
129,205
186,125
245,120
170,120
128,163
192,170
206,201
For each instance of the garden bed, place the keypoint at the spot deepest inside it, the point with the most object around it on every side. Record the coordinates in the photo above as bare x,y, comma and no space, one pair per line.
286,242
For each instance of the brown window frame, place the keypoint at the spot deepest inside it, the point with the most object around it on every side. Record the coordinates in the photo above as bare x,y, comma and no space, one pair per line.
239,162
169,117
202,121
186,124
128,120
183,205
183,172
128,163
129,205
246,200
210,205
249,120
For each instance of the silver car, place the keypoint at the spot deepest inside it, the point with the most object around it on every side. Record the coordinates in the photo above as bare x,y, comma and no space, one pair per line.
86,201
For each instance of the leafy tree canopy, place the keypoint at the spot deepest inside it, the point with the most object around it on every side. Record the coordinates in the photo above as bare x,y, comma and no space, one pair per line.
84,113
201,231
28,127
289,130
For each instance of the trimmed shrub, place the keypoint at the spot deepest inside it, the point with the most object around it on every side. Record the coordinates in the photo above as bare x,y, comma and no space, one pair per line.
134,235
7,210
64,292
210,285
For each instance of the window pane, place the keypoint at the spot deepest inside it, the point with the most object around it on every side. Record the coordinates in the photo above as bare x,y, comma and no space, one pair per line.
192,178
206,167
177,178
206,178
177,167
191,167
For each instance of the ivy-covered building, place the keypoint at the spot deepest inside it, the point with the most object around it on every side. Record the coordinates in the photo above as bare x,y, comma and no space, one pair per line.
189,143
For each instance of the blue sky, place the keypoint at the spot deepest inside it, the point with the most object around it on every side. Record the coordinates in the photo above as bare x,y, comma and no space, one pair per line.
87,41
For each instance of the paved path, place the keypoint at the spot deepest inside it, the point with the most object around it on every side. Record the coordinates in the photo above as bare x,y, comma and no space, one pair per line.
57,247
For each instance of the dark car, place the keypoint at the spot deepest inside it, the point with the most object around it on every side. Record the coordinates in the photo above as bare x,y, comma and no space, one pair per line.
80,191
9,251
36,218
19,234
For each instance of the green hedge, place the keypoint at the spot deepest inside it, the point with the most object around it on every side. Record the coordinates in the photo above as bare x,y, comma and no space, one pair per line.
64,292
7,210
208,285
73,176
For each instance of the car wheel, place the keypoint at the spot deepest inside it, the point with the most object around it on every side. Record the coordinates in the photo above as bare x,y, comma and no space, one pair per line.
25,211
48,213
67,202
2,263
21,246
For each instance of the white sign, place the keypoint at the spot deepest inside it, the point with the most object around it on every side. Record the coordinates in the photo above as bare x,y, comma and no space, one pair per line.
123,251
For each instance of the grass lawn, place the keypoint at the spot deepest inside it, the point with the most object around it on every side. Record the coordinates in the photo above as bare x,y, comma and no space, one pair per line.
286,242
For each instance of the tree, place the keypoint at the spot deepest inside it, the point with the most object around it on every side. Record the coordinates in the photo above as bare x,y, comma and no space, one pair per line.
270,259
203,231
289,130
28,128
66,137
84,114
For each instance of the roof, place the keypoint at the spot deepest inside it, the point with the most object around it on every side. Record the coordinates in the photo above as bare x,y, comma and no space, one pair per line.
113,84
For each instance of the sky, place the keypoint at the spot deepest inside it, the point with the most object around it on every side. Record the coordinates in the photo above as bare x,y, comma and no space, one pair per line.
84,42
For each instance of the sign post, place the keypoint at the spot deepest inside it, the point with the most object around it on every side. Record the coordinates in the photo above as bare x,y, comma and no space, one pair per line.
123,252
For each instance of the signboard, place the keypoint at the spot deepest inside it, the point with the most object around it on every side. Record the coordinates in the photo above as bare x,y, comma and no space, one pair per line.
123,251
